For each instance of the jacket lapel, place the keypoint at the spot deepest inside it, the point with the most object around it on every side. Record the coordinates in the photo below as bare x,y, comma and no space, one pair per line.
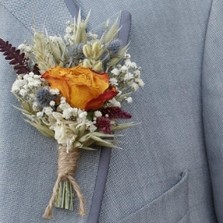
212,91
72,7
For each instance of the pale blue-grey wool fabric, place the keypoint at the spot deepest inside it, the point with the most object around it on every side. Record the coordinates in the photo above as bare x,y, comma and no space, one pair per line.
170,165
212,85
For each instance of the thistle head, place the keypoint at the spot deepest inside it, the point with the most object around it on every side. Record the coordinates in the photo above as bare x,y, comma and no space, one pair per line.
44,97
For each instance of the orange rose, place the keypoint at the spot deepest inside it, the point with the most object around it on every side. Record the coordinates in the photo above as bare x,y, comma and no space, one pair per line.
82,87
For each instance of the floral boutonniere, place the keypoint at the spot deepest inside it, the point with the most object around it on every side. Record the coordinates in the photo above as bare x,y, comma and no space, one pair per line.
72,89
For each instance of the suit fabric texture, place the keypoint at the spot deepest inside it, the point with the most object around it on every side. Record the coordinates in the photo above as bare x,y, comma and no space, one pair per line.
170,167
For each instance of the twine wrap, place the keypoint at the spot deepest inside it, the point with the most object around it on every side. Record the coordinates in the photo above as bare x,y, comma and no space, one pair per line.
67,166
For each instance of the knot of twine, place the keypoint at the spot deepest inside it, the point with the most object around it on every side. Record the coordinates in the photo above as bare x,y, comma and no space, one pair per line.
67,166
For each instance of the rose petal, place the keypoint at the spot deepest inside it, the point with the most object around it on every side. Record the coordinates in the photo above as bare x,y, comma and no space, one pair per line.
98,102
82,87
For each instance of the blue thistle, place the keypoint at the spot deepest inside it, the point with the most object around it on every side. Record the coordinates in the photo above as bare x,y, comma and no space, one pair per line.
114,46
44,97
76,53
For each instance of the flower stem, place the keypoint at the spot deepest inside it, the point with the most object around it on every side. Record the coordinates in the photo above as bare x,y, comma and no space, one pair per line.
65,185
65,196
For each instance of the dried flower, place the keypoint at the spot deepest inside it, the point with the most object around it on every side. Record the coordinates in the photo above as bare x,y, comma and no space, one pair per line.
44,97
97,114
115,113
17,59
103,124
81,87
114,46
129,100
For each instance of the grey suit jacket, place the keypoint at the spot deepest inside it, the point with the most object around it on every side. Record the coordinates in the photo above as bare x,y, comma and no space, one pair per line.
171,167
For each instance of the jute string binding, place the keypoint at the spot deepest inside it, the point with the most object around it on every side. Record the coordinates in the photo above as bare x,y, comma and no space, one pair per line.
67,166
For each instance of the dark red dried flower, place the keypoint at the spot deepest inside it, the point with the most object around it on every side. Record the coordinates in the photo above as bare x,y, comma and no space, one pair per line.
17,59
115,113
103,124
